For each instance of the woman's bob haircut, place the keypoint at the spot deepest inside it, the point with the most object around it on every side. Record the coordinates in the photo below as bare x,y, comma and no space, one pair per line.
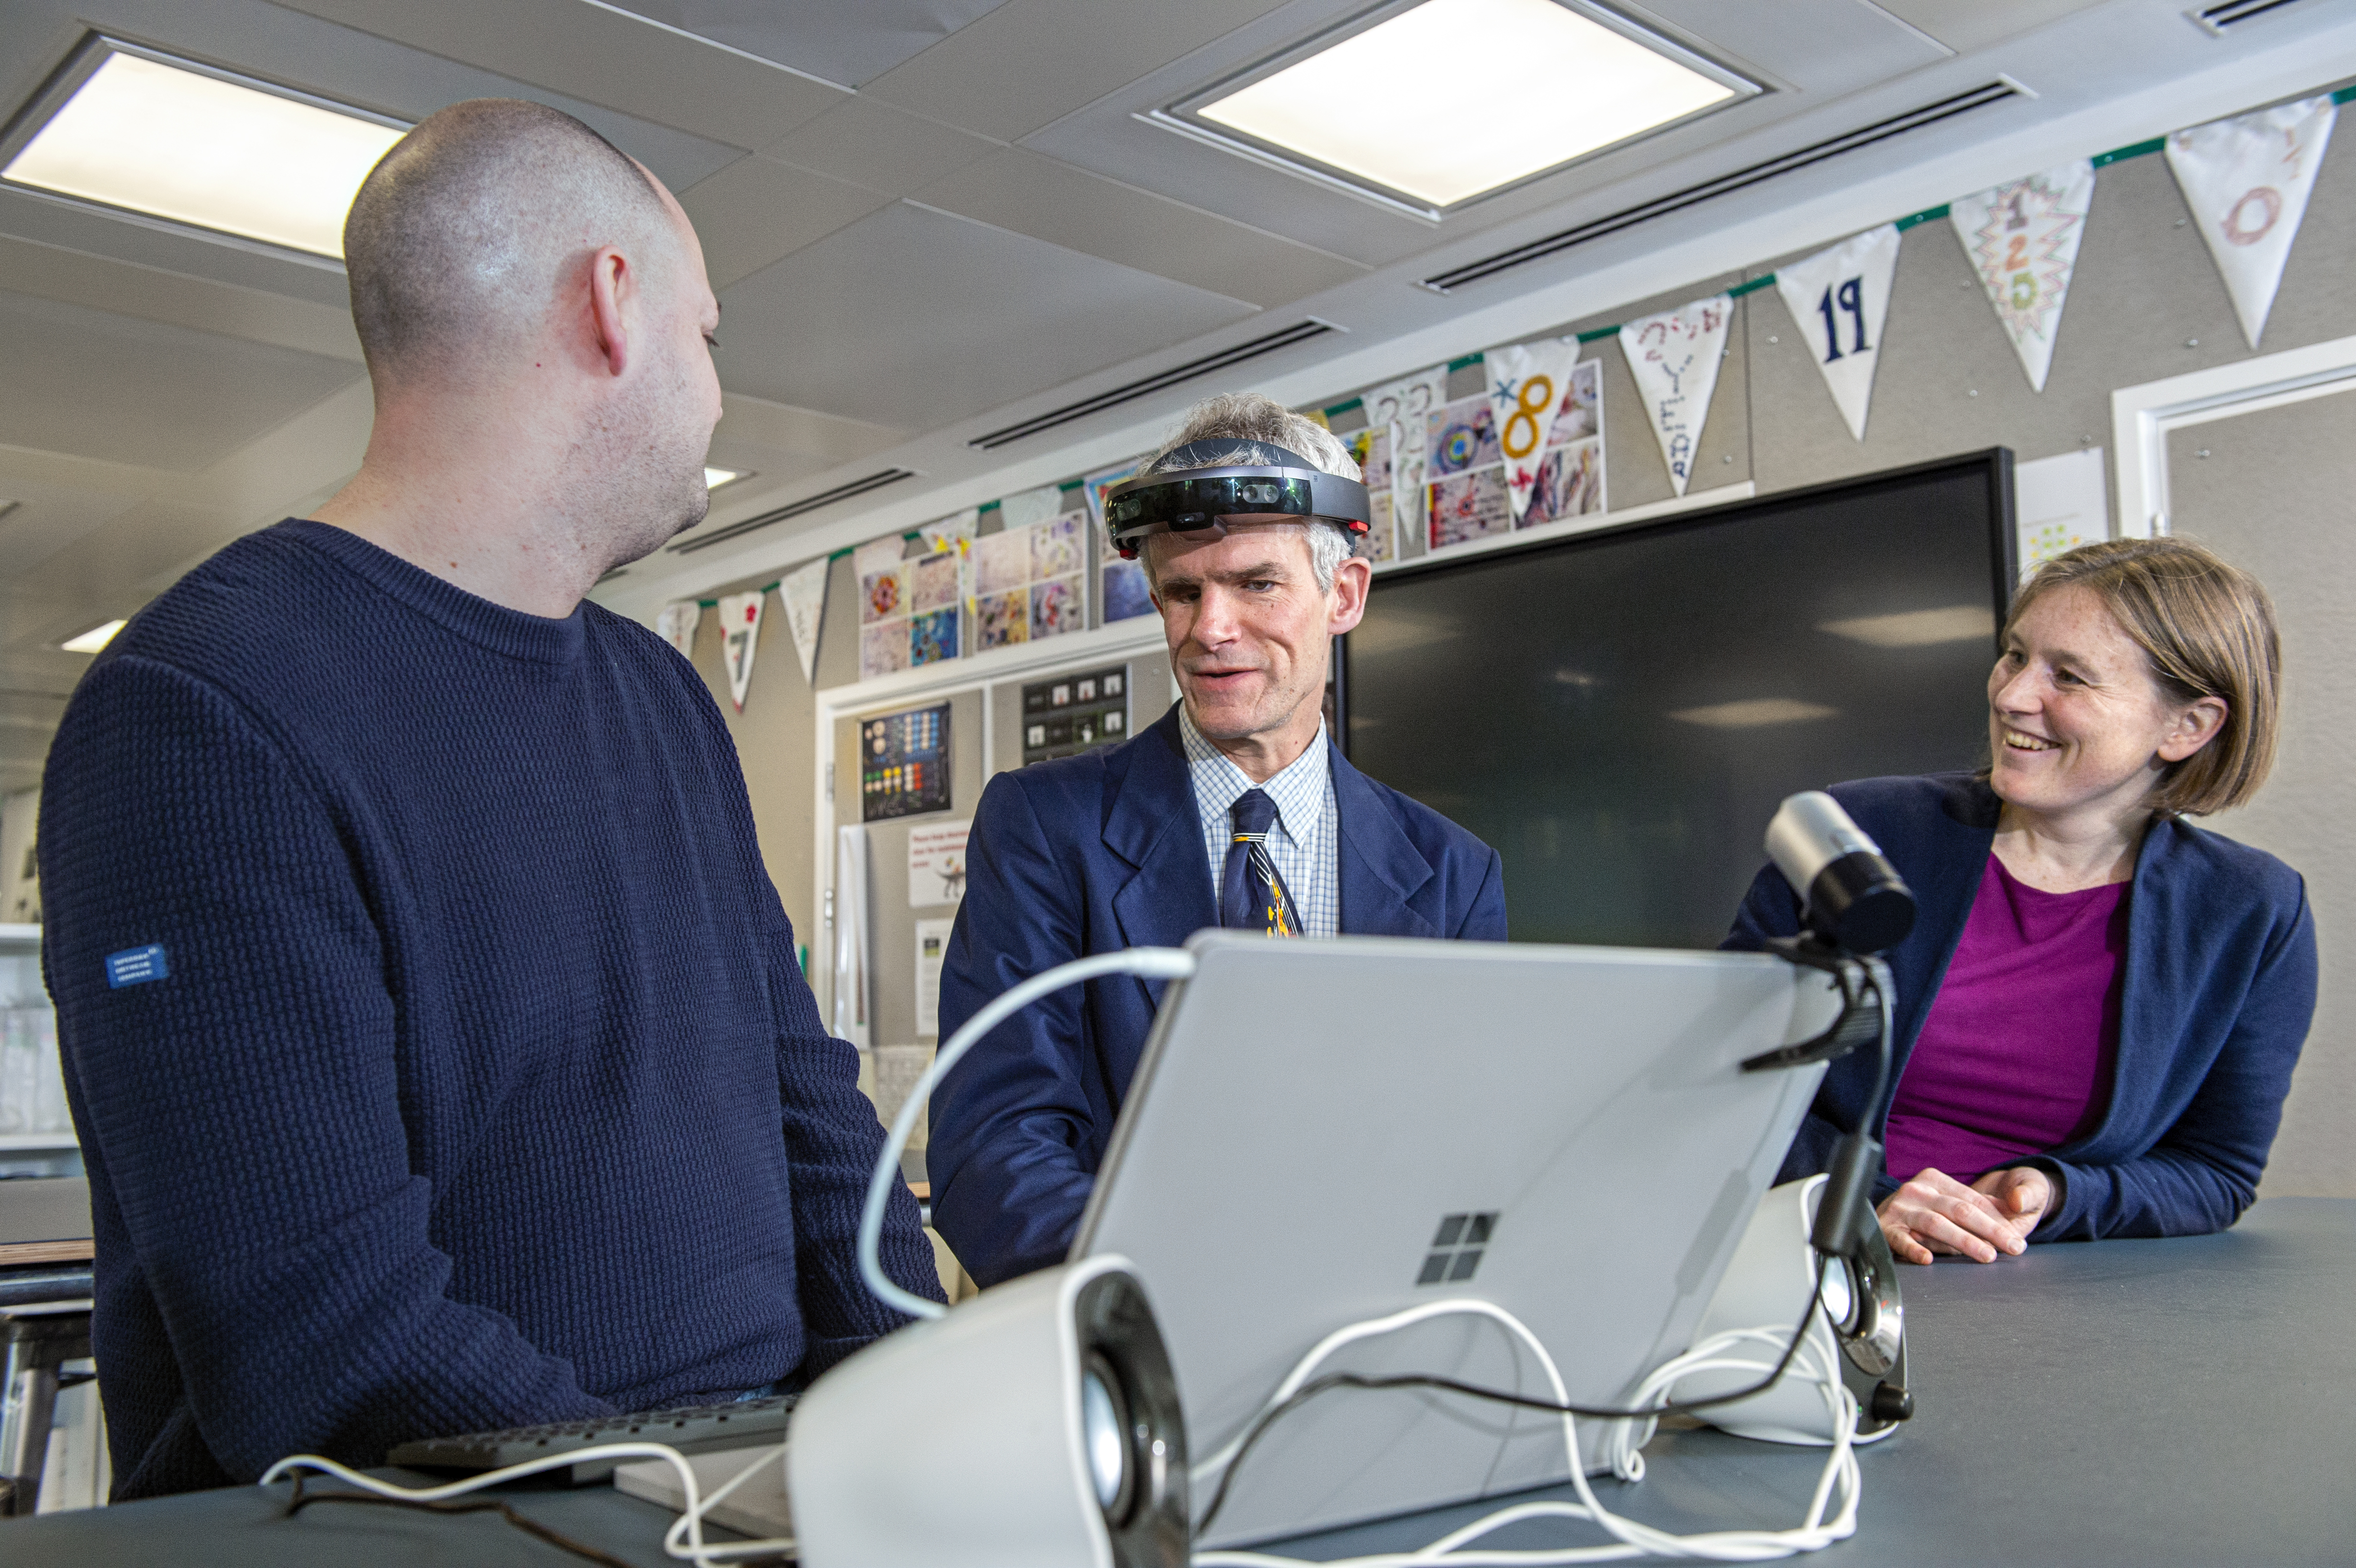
2208,629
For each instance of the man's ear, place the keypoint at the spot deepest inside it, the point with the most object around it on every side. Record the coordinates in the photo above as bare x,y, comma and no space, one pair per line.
1352,579
613,287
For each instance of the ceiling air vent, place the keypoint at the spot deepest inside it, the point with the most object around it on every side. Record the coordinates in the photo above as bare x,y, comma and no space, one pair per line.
1300,333
2217,19
798,509
1741,180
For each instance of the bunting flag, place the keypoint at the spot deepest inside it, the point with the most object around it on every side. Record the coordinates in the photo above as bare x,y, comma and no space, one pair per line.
1020,511
2247,181
1675,358
1839,299
1402,407
802,592
740,633
676,624
2023,239
1525,386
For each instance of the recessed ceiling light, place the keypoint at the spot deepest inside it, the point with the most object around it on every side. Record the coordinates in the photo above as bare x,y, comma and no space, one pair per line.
715,477
1756,713
1447,100
1919,628
178,142
96,637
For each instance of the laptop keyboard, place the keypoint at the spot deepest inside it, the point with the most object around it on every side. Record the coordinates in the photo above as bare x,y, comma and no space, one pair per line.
694,1429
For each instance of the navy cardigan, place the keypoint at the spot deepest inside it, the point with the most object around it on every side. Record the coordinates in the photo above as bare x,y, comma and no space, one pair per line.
2219,990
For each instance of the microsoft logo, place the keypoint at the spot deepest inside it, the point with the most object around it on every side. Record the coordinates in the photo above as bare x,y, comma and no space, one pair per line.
1456,1248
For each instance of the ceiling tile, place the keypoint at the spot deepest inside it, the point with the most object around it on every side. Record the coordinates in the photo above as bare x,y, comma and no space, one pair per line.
604,56
1966,25
754,211
849,44
877,145
69,225
779,427
918,319
95,384
1032,62
79,278
1035,195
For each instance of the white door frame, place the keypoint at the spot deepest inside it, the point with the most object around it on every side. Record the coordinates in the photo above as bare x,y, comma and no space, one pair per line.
2142,416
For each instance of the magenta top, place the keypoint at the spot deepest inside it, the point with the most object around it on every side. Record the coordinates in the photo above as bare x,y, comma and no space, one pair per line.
2017,1055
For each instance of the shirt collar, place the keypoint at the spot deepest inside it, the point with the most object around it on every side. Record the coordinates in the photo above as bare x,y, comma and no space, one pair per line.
1299,789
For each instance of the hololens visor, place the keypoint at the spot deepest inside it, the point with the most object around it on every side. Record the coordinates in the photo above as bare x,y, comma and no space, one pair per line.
1203,483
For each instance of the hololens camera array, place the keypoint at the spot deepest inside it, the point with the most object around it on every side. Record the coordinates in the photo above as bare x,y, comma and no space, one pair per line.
1201,485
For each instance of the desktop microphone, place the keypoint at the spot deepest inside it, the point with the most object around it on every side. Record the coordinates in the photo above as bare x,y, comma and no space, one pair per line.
1853,897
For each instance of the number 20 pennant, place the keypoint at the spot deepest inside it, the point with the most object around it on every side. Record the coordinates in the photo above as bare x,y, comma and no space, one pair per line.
1839,300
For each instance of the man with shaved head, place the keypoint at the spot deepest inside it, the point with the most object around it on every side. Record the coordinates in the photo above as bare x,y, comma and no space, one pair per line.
434,1036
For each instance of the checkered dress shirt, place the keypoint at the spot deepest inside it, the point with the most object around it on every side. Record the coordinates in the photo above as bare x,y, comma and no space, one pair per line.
1304,841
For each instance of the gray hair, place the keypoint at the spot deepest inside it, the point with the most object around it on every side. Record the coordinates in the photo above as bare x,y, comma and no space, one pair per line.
457,238
1255,418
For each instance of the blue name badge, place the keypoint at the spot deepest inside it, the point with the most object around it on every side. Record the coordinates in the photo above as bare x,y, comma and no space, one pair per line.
134,965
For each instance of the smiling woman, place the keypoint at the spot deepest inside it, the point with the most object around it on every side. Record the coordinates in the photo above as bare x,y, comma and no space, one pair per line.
2102,1004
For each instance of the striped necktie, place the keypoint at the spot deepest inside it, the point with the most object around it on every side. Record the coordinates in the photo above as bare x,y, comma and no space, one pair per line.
1252,896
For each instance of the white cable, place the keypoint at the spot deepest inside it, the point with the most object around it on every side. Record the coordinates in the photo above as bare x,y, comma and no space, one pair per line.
1633,1539
690,1523
1152,962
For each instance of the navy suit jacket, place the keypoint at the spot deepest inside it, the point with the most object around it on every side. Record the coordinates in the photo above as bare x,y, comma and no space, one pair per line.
2220,989
1093,854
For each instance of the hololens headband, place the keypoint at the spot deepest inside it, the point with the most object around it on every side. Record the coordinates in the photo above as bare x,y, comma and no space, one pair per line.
1203,482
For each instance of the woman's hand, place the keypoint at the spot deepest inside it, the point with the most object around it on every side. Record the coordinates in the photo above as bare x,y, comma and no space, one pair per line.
1936,1214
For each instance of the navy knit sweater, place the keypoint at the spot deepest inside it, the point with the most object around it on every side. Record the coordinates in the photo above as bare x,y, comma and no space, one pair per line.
476,1084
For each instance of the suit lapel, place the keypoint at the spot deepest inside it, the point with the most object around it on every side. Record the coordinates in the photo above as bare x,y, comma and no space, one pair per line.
1380,868
1151,823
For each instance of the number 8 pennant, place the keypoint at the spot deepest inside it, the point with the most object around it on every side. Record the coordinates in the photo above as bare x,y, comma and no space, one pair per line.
1525,388
1839,299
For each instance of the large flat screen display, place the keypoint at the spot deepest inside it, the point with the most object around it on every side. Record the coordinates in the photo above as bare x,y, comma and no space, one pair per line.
1619,712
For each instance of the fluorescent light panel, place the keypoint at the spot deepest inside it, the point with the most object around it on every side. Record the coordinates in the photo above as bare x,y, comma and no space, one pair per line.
715,477
1453,98
195,148
96,637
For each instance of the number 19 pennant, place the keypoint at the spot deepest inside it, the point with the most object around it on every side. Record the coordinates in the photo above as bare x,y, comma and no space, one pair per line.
2022,239
2247,181
1839,299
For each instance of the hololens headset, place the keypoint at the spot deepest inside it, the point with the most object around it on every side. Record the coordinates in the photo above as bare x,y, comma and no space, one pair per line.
1199,485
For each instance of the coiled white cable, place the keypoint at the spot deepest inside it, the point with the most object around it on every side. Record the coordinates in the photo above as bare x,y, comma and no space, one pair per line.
683,1541
1632,1538
1152,963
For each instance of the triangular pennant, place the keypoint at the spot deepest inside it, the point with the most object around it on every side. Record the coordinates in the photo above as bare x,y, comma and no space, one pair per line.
1526,386
1402,406
2022,239
1675,358
1020,511
740,639
802,592
1839,299
2247,180
676,624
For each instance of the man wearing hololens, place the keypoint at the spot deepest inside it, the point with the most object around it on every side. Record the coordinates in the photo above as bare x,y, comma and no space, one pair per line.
1231,811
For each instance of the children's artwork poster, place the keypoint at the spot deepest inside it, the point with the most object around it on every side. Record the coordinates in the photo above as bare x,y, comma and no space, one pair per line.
1839,299
1466,468
904,763
1067,714
1125,594
2247,181
935,605
802,592
1401,407
2022,239
937,864
1030,580
676,624
1675,358
2059,504
881,573
740,639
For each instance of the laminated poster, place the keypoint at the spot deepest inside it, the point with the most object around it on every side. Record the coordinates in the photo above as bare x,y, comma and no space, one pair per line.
882,576
937,864
1030,580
